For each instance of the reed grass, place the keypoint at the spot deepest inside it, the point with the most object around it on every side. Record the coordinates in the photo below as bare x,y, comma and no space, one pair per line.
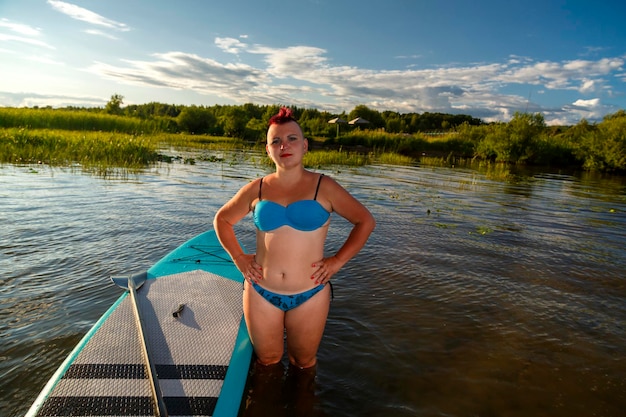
321,158
105,152
391,158
203,142
81,120
98,151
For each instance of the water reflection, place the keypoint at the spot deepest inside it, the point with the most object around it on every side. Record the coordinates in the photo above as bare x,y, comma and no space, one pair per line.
273,391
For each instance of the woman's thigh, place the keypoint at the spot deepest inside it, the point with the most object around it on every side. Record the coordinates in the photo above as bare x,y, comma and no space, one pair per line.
305,328
265,325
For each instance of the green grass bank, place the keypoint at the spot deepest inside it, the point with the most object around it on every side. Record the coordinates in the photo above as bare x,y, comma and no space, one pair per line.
99,141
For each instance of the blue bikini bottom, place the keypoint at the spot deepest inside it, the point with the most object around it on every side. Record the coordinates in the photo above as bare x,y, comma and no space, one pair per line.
287,302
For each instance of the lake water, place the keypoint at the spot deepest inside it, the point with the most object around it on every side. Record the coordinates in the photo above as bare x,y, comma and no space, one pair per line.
477,295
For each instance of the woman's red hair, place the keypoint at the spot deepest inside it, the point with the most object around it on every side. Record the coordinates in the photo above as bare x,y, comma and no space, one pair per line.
284,115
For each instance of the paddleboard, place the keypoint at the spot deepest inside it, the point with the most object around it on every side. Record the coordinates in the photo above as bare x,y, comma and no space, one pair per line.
192,318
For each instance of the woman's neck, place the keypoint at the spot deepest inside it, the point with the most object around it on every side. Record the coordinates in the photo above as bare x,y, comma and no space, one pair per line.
290,175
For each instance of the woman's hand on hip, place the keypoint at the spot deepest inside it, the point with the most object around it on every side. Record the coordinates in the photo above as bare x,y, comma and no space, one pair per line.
251,271
324,269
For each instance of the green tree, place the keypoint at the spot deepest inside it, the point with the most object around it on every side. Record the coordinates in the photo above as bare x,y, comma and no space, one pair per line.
514,141
194,119
394,125
114,105
372,116
524,130
255,130
601,147
234,122
613,132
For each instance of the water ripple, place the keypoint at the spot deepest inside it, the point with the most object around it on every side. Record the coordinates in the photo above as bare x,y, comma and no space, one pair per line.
502,295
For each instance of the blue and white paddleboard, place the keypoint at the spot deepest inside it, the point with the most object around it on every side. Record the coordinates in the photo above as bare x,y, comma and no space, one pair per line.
192,318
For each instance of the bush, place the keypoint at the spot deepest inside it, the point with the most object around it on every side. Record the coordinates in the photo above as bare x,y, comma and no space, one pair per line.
602,147
515,142
197,120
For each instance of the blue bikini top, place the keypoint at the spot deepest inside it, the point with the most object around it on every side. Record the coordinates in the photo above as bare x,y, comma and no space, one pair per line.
303,215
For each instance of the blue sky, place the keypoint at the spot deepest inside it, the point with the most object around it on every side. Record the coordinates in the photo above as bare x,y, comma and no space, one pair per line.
489,59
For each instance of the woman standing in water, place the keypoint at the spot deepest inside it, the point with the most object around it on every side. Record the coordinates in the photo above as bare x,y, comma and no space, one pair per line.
285,287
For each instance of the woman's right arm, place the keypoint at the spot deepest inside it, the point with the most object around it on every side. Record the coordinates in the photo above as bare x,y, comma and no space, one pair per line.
226,218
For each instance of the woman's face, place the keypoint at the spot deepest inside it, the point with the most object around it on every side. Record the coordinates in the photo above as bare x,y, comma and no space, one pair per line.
285,143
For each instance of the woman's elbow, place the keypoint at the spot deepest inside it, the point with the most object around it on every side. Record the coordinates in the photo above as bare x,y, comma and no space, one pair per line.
367,223
218,220
371,223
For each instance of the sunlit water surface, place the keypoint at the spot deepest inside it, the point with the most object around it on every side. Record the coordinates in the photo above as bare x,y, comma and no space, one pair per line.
475,296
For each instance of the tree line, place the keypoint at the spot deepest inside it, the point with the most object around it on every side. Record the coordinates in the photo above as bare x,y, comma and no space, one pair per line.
525,139
249,120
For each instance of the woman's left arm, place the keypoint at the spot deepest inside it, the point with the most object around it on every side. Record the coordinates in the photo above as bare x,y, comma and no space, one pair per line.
348,207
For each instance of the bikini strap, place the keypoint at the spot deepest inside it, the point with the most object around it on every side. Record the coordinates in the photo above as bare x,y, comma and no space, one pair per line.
317,189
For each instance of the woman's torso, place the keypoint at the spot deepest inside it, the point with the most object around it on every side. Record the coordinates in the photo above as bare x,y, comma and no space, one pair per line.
290,237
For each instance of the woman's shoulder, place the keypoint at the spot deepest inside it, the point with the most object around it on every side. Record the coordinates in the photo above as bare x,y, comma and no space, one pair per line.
327,182
329,190
249,190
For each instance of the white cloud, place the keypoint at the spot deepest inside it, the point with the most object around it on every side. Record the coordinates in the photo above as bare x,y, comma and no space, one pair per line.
593,50
594,102
19,28
97,32
568,75
304,76
21,39
53,100
230,45
299,62
588,86
408,56
82,14
184,71
590,109
21,33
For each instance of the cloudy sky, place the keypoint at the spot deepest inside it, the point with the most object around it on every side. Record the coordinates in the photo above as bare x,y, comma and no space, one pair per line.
489,59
